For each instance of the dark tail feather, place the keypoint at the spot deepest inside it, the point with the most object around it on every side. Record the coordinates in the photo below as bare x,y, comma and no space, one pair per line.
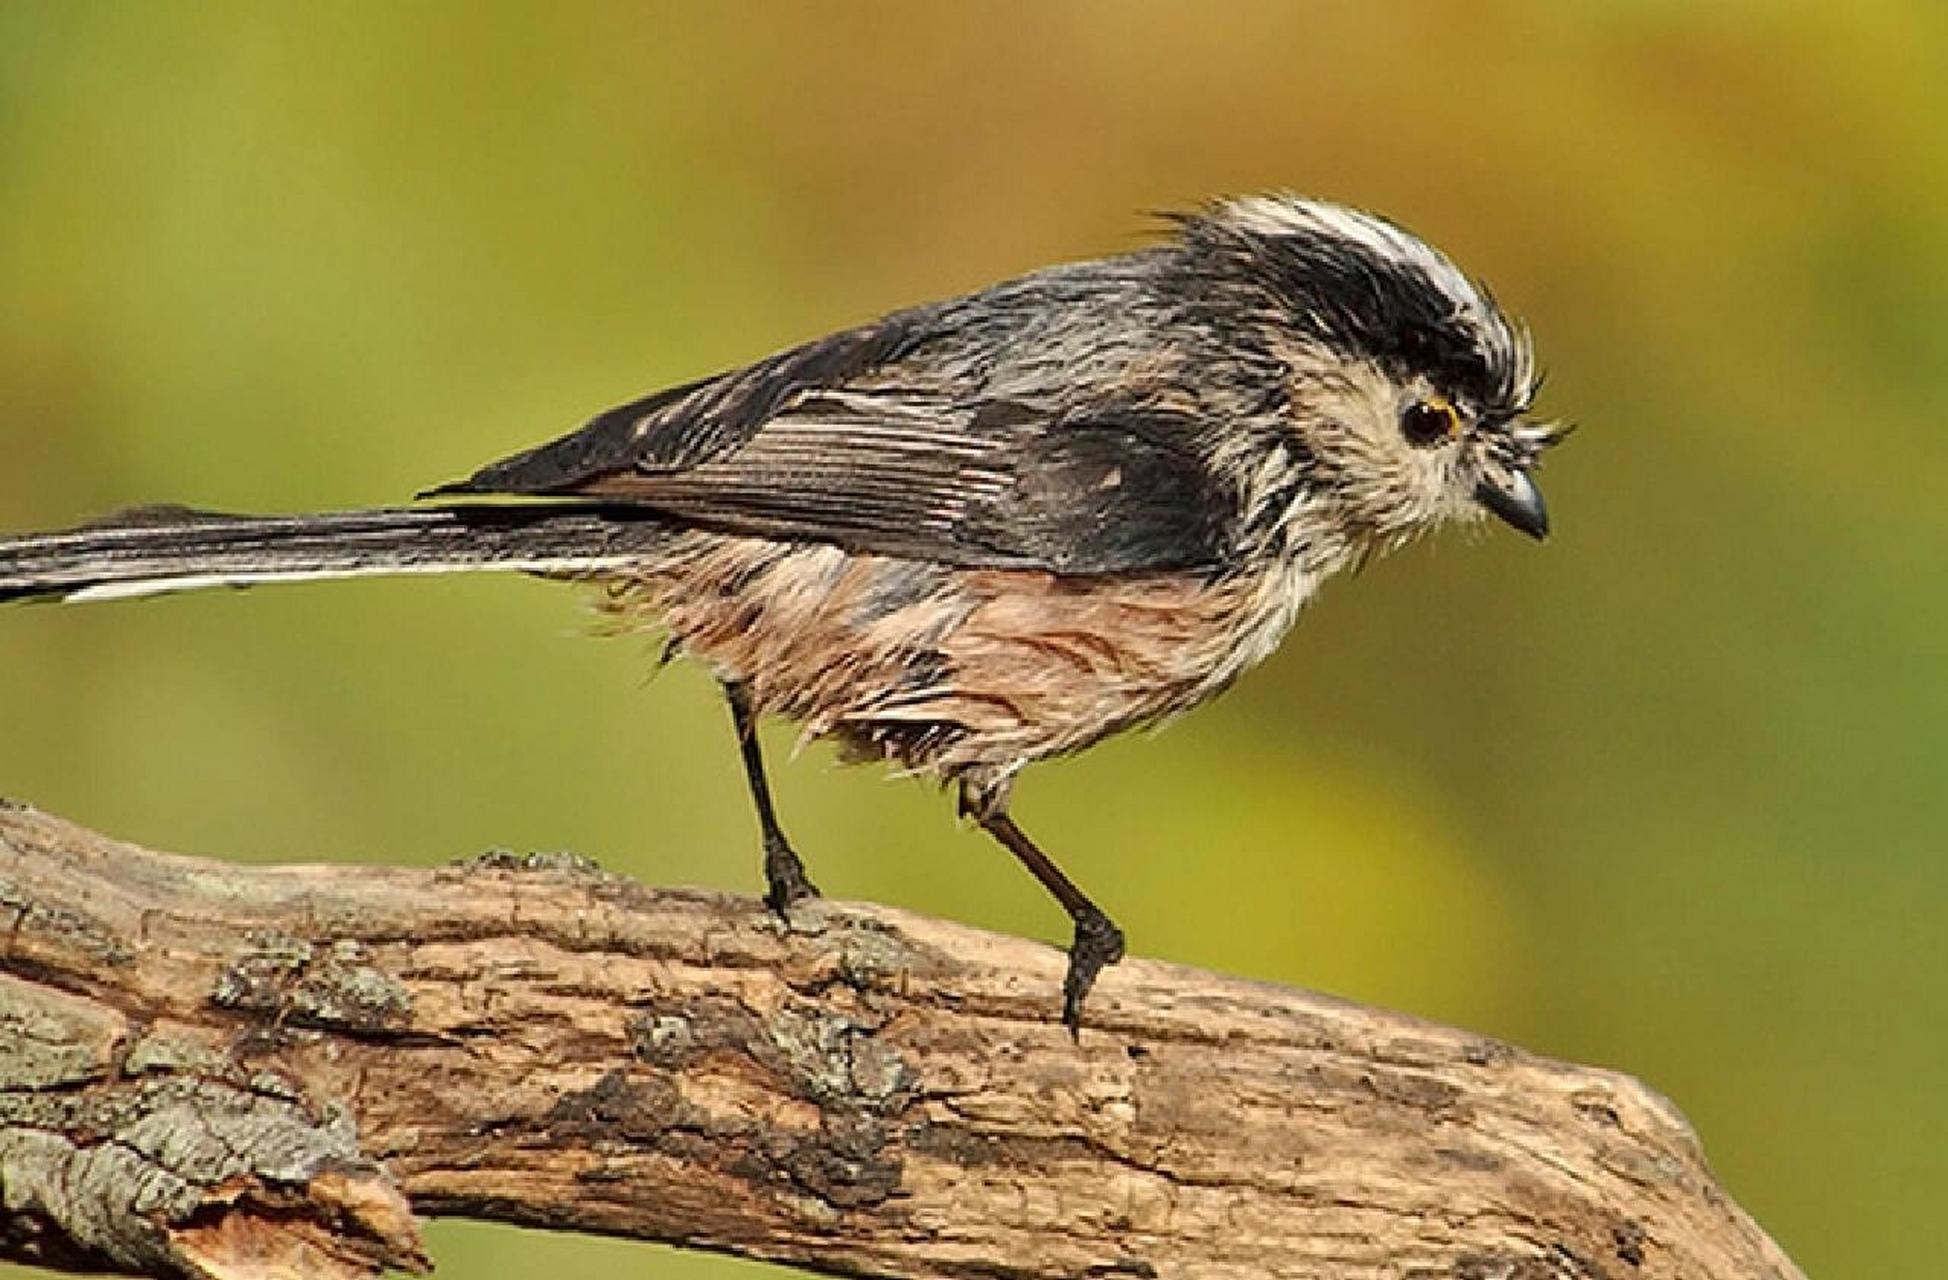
158,549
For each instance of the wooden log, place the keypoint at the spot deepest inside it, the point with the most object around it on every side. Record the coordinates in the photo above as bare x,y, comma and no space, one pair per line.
242,1072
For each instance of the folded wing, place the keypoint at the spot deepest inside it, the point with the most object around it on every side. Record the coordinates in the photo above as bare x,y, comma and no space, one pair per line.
830,443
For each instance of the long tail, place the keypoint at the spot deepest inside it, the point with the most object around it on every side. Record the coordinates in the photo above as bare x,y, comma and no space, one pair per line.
157,549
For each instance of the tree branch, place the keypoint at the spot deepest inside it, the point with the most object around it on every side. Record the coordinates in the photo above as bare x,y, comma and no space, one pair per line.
242,1072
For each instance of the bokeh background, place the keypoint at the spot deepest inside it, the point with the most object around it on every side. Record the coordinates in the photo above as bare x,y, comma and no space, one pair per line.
1666,794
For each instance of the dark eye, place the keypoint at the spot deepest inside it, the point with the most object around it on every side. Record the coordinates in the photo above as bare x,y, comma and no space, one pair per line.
1429,422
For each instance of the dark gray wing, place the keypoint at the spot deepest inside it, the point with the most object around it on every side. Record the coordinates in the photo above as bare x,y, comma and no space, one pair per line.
674,428
825,443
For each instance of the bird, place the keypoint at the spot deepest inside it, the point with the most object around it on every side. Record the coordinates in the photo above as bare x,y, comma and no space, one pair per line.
983,532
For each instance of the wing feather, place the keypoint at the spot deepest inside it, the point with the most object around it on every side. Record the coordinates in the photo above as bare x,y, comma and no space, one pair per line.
825,443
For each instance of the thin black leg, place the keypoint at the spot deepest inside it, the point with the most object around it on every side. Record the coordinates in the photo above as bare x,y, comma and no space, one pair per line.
784,874
1098,942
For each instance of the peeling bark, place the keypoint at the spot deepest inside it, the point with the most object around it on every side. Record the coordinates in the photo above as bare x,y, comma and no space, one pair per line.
208,1070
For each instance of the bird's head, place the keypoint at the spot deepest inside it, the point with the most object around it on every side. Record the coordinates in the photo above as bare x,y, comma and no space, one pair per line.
1407,389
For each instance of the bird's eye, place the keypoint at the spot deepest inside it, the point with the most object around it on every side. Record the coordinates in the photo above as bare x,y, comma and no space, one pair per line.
1429,422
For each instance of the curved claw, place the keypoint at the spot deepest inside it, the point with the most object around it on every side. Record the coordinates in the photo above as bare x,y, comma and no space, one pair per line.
1098,944
785,880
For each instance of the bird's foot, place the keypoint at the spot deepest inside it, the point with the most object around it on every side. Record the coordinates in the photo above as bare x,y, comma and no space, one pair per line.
1098,944
785,881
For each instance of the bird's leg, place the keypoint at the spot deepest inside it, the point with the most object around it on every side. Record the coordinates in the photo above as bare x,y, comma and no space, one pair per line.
1098,942
785,880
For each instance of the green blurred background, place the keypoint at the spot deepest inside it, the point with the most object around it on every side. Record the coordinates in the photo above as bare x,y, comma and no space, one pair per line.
1666,794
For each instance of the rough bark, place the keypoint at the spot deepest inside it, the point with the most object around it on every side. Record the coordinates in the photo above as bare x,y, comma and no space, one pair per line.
211,1070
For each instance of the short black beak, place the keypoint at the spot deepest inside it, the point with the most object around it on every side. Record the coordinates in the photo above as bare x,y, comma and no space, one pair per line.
1516,500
